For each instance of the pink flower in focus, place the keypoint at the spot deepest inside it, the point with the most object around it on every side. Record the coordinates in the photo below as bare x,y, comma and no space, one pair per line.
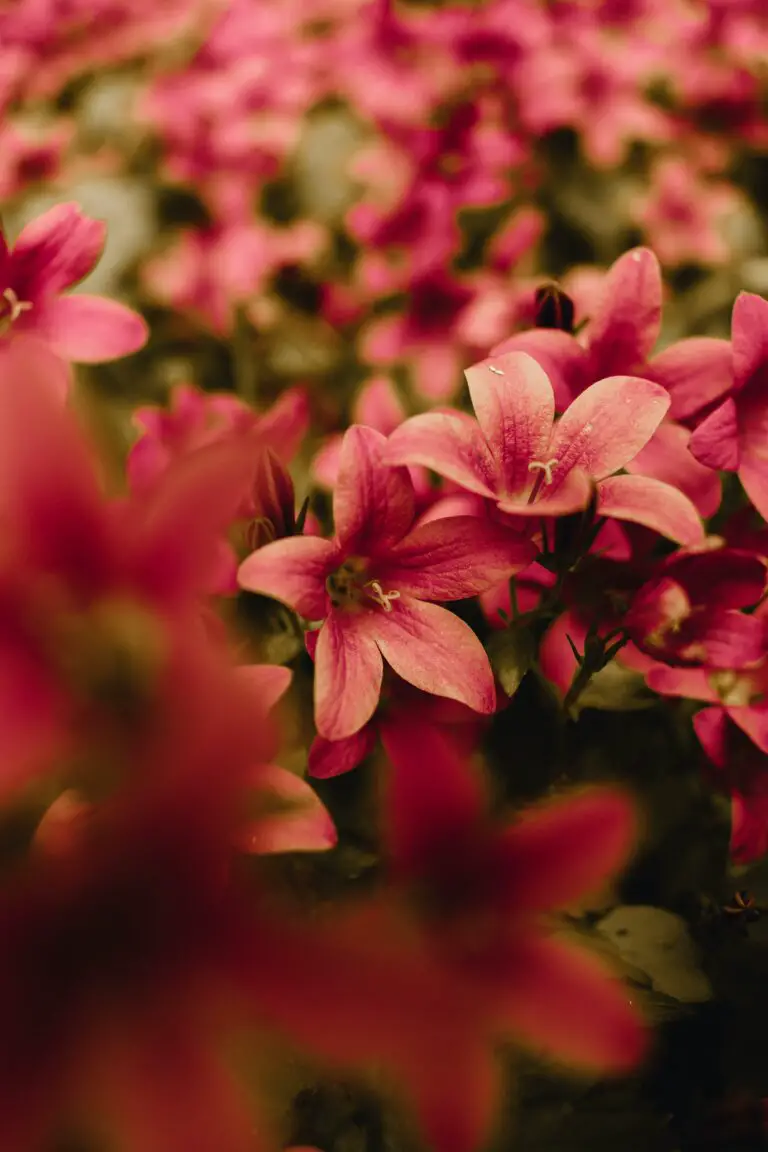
372,586
517,456
734,436
52,253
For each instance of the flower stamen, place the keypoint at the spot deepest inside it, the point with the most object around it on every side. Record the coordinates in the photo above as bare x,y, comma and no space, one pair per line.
382,598
16,306
544,466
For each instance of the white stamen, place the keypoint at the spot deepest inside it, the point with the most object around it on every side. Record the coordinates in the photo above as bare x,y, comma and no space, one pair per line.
544,466
496,371
17,306
382,598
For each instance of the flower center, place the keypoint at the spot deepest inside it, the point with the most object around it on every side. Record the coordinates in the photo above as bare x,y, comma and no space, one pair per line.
349,588
734,689
11,309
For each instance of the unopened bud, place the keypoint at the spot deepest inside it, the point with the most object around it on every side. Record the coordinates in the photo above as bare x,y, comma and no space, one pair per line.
554,308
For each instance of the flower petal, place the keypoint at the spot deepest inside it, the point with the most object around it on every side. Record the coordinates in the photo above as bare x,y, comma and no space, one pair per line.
329,758
695,372
752,406
450,444
560,355
562,851
373,504
753,721
749,337
625,324
348,674
455,557
303,824
294,571
715,443
666,457
435,651
55,250
268,681
644,500
434,800
515,408
90,329
563,1001
607,426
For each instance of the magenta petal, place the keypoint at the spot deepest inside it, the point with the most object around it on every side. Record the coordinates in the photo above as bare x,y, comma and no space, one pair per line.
448,443
454,557
695,372
691,682
329,758
731,639
667,457
643,500
373,504
293,570
90,329
607,425
715,443
434,799
435,651
55,250
564,1002
515,408
625,324
556,659
711,726
561,356
749,337
565,850
348,674
753,722
301,823
753,439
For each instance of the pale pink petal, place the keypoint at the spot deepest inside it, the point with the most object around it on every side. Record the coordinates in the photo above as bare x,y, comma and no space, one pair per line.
562,851
570,494
285,424
28,352
300,824
373,503
334,757
561,356
450,445
625,324
715,443
449,559
293,570
325,465
90,329
753,440
515,408
55,250
607,425
268,682
695,372
378,405
435,651
564,1002
749,337
348,674
666,457
644,500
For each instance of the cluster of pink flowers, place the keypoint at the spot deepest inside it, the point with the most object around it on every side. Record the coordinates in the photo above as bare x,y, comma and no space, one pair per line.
139,753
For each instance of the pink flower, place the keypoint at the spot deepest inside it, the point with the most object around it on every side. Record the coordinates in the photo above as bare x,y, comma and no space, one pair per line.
683,213
741,770
482,888
372,586
619,337
734,436
51,254
517,456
